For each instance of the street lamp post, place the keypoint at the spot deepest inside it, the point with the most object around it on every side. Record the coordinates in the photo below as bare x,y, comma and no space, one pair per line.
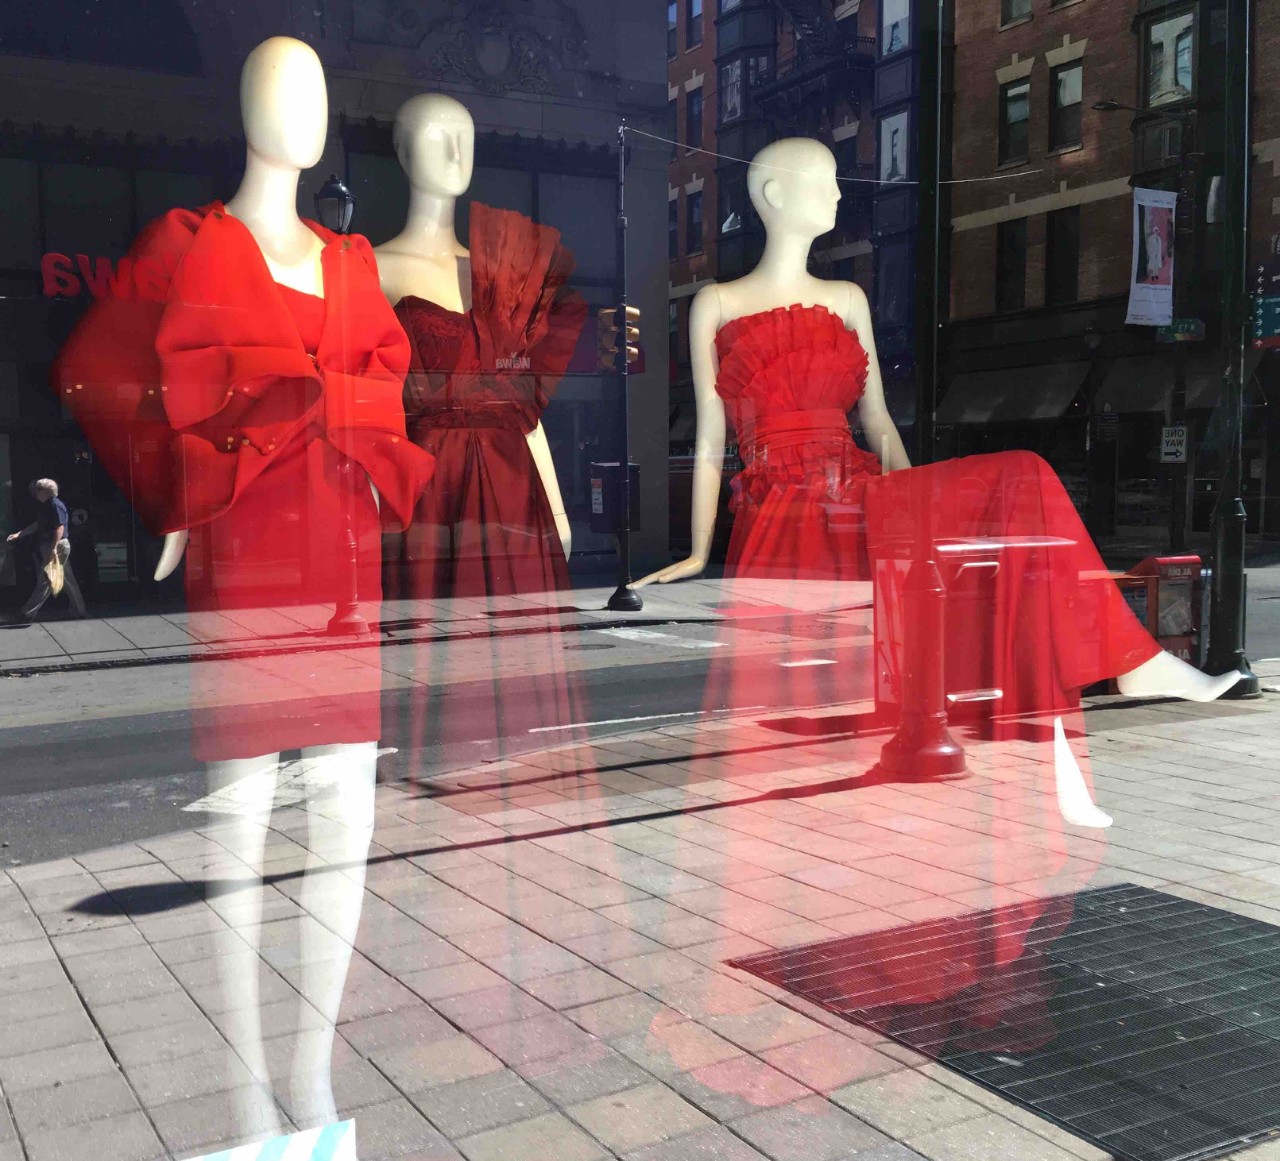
1183,224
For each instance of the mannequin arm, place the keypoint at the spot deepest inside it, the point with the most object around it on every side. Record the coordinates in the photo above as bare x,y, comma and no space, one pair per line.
873,414
541,452
175,544
708,453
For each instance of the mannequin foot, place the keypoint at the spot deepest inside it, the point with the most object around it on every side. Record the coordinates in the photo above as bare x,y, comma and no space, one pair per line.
257,1112
1074,802
1166,676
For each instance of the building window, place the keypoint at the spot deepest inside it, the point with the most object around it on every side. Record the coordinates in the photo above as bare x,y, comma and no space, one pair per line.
673,124
673,229
1011,10
673,332
1170,74
672,46
733,203
693,119
1066,89
692,23
693,239
730,91
1062,257
1011,265
895,25
1015,115
729,5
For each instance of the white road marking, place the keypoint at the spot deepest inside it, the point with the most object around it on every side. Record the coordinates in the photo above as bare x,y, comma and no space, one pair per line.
646,718
807,661
669,639
295,782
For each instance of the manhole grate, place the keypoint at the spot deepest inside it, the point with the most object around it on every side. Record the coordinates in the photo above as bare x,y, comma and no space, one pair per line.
1146,1024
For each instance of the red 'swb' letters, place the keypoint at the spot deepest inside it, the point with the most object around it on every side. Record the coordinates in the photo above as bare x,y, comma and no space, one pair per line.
65,277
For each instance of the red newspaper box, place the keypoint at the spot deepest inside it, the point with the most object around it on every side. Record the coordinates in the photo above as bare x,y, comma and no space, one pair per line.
1170,603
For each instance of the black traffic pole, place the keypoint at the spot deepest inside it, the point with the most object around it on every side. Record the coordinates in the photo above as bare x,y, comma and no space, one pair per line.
1227,597
624,598
1183,230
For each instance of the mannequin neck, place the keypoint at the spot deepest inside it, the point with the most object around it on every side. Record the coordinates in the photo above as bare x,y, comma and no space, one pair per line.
785,259
429,229
267,200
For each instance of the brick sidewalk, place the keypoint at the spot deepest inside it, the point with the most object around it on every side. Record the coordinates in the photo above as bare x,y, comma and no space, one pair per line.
540,968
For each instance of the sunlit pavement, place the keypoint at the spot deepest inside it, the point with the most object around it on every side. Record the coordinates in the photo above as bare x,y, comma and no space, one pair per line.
540,969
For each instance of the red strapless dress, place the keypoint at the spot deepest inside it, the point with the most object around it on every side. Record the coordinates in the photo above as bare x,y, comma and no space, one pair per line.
478,384
813,512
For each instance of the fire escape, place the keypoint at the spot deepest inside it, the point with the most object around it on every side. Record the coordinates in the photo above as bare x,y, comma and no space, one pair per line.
828,64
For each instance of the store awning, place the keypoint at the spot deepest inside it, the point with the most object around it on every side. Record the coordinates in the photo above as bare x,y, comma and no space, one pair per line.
1143,382
1012,395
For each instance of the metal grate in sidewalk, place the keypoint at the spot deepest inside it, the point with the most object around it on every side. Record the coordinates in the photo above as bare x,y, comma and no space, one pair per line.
1146,1024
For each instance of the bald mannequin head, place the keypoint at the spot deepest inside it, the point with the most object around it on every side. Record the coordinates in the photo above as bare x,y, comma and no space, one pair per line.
792,184
435,140
284,103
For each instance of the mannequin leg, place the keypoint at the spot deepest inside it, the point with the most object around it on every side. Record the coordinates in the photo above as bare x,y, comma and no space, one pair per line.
332,898
238,894
1165,675
1074,802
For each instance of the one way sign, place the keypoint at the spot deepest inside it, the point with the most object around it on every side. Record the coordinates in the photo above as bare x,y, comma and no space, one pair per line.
1173,445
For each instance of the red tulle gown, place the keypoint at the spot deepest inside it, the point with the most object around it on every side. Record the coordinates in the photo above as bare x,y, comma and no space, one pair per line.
255,416
483,531
812,508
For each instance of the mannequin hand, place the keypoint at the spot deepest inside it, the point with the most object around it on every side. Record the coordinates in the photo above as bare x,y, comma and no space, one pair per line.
175,544
681,570
565,533
12,537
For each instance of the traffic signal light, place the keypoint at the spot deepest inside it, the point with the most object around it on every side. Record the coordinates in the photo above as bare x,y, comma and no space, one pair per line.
609,323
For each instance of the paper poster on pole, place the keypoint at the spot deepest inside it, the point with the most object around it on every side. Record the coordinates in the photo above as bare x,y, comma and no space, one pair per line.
1151,278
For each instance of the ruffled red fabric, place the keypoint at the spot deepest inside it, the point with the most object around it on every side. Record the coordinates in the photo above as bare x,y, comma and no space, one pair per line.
513,346
189,397
788,359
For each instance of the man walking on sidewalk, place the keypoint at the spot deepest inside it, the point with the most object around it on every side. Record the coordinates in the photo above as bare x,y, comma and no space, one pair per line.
50,526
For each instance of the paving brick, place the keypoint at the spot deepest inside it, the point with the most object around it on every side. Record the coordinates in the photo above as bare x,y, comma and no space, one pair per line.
547,1136
217,1119
906,1104
54,1066
167,1081
715,1144
631,1012
452,980
829,1061
124,1138
766,1027
671,1045
583,1076
811,1130
737,1087
500,1005
416,1067
574,988
472,1106
41,1110
985,1137
169,1042
638,1117
533,1038
71,1026
396,1129
417,1025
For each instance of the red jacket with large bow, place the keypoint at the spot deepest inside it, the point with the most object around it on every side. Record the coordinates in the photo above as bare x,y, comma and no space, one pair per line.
189,392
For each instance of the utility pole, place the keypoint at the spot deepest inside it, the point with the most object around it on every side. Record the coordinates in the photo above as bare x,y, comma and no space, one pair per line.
1227,600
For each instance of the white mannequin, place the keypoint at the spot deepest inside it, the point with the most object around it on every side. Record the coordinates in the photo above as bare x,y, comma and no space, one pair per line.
793,187
285,110
435,140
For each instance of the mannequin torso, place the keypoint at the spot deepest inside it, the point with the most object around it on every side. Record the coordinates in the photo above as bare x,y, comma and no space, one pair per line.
435,143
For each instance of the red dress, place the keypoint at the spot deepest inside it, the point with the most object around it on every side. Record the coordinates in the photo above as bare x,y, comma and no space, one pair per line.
477,386
253,416
478,383
813,509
